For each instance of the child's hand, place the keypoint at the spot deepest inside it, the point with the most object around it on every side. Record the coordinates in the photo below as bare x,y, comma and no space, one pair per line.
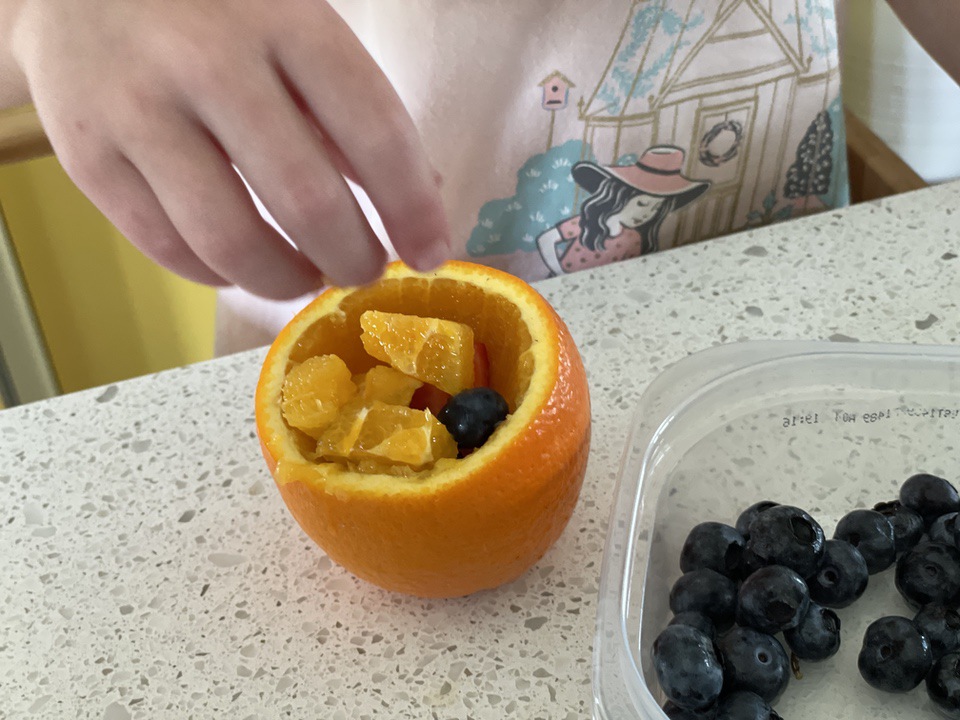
148,102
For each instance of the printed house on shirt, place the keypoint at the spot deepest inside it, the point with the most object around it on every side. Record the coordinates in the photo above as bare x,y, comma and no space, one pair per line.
728,81
556,91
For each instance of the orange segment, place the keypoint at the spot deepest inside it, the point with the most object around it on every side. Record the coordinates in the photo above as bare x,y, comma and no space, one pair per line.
388,385
462,525
435,351
389,434
314,391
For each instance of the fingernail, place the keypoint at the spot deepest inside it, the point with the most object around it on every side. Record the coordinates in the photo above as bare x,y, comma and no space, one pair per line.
432,257
370,274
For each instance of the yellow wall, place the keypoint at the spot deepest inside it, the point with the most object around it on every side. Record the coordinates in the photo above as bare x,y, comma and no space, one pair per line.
106,311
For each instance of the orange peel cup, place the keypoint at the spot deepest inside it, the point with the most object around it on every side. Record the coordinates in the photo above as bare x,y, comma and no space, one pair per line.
464,524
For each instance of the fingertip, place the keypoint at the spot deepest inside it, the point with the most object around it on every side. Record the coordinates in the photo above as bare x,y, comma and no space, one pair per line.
369,275
357,276
284,294
286,281
322,283
218,284
431,257
197,275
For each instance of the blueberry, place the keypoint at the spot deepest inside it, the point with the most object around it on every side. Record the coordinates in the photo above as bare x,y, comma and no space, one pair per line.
930,573
907,524
754,661
895,657
750,514
817,637
944,529
930,496
471,416
707,592
745,706
696,620
943,685
872,534
749,563
688,668
940,625
787,536
713,546
675,712
772,599
842,577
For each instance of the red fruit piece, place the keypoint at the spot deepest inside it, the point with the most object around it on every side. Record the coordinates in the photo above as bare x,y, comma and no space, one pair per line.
481,365
429,397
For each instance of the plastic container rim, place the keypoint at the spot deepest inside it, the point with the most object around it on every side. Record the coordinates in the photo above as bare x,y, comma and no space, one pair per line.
708,368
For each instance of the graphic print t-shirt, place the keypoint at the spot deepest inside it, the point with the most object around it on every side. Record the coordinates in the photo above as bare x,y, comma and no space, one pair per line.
511,96
571,133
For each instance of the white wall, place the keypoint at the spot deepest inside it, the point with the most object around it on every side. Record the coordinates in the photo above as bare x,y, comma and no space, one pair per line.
894,86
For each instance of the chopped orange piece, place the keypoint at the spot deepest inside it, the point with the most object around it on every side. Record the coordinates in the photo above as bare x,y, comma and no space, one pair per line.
389,434
387,385
438,352
313,393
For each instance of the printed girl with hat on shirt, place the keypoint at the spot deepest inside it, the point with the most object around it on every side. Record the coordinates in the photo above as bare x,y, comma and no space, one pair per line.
621,218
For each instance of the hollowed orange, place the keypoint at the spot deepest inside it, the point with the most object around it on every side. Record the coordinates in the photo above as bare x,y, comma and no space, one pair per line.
465,524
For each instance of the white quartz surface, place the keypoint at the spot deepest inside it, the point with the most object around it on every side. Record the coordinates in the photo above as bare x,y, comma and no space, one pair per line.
148,568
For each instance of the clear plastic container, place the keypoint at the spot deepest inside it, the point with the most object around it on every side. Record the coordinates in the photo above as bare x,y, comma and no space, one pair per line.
828,427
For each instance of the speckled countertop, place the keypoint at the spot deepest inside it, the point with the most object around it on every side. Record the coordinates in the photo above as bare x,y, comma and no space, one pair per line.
150,570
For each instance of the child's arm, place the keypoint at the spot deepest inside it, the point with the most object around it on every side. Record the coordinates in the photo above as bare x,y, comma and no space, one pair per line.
935,24
148,103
